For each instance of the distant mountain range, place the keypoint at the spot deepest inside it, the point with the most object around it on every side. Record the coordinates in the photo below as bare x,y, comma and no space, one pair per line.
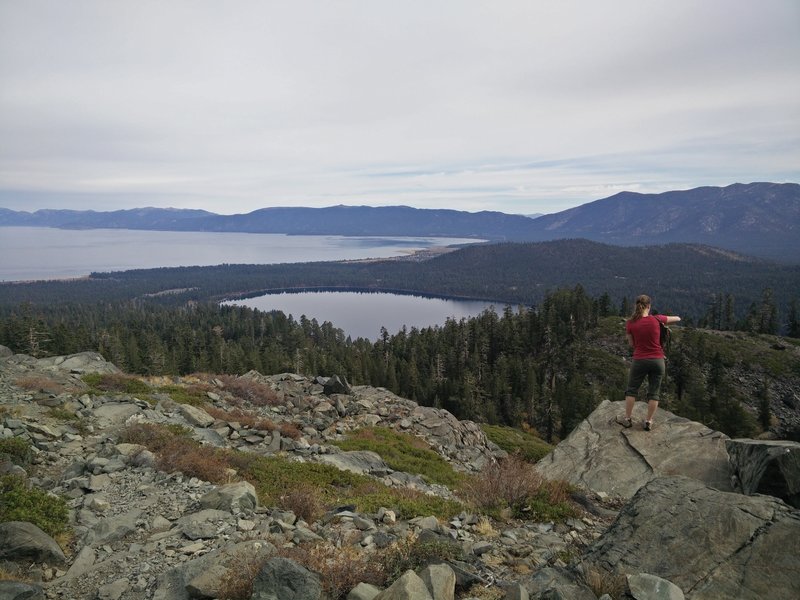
759,219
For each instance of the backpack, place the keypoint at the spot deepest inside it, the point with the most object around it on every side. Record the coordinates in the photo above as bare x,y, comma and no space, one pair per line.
664,335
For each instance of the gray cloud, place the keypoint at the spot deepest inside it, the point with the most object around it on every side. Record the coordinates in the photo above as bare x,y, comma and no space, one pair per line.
524,106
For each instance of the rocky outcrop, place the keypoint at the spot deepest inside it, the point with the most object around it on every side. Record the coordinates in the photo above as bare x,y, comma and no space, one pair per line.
767,467
285,579
25,541
603,457
142,534
709,543
81,363
15,590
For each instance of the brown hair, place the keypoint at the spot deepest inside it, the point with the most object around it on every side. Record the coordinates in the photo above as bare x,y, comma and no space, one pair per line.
642,303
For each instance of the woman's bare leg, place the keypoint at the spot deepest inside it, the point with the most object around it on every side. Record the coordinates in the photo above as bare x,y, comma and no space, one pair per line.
629,401
652,405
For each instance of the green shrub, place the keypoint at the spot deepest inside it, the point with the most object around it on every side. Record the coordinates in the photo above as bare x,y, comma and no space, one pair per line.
278,479
308,487
18,502
116,383
15,449
185,395
403,452
527,445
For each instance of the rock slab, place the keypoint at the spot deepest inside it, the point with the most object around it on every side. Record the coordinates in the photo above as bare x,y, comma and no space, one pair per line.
710,544
20,540
767,467
602,456
284,579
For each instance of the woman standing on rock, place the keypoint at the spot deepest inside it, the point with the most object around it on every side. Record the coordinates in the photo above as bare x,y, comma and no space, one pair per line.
644,335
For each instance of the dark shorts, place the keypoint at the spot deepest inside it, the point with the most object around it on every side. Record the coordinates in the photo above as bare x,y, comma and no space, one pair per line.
653,369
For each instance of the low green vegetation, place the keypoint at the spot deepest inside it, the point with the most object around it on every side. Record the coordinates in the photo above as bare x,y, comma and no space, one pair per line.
526,444
184,394
16,450
119,383
19,502
275,478
403,452
281,482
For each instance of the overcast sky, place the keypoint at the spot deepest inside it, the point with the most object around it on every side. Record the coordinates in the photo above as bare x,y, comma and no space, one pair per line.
521,106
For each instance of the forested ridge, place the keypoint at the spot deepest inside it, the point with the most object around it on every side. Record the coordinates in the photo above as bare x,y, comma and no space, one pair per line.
543,367
681,278
545,363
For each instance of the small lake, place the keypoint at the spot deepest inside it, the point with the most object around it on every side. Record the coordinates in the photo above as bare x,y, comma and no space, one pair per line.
30,253
362,314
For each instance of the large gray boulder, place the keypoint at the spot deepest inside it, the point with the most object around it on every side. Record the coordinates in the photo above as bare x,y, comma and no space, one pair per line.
23,541
205,576
440,580
711,544
17,590
196,416
767,467
555,583
649,587
407,587
361,462
233,497
602,456
83,362
284,579
227,565
336,385
5,352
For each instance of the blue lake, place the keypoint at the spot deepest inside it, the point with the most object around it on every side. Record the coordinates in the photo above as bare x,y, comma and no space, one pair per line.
29,253
362,314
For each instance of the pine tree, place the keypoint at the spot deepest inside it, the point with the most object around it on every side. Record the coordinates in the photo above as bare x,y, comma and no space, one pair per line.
764,411
793,325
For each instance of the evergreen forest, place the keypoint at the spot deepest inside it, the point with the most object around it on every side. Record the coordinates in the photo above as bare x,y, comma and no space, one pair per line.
544,367
544,363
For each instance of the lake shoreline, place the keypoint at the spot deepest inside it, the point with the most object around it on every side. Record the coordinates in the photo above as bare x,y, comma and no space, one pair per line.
360,290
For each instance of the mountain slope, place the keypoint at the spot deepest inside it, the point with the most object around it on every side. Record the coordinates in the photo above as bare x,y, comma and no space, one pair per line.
760,219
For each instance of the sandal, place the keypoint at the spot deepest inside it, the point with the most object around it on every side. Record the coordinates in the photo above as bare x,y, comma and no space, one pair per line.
624,421
648,425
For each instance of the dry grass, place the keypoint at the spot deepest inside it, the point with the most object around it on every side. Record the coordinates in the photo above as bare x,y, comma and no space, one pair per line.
513,483
340,569
176,452
17,575
290,430
253,421
249,391
243,417
305,501
40,383
484,528
605,582
243,570
482,592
